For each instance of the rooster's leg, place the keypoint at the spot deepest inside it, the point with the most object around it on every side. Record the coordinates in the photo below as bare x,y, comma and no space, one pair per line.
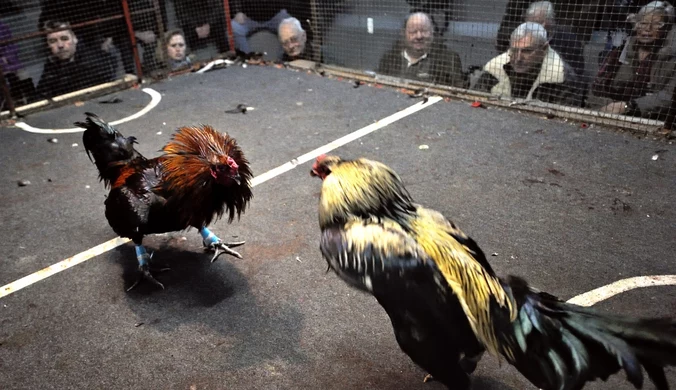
144,267
212,242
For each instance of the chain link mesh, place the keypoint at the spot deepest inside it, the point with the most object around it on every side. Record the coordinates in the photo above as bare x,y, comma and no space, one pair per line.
598,57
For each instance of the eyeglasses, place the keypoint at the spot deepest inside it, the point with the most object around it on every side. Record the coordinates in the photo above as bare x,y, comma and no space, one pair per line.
291,41
650,25
526,51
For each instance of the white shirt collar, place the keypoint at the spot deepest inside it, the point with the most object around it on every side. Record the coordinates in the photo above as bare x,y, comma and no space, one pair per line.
411,61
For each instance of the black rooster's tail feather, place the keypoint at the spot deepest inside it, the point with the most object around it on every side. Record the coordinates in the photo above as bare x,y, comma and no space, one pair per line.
108,147
563,346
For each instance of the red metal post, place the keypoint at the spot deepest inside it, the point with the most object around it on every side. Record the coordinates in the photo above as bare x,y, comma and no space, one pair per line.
6,93
228,18
132,37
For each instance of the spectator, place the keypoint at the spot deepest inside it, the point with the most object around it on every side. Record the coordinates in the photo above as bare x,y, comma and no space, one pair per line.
417,55
293,39
202,21
21,86
146,29
251,16
175,50
531,69
104,34
638,79
561,38
72,65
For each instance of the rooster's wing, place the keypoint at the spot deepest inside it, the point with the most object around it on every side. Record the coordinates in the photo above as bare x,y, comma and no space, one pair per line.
429,324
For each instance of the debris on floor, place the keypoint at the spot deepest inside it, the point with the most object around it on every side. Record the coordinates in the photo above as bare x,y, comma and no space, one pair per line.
240,109
23,183
114,100
53,140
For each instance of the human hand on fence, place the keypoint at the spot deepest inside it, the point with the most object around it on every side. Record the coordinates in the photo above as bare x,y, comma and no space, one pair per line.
107,44
615,108
145,36
240,18
203,30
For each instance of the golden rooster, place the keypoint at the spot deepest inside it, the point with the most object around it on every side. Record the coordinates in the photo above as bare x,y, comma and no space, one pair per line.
201,175
447,305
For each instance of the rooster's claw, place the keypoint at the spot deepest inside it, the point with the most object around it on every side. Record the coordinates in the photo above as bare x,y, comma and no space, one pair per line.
220,248
144,273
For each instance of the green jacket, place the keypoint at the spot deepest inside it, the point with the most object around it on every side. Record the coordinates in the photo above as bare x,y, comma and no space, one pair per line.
442,66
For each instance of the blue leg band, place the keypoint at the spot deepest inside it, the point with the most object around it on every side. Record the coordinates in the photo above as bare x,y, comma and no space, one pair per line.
141,255
208,237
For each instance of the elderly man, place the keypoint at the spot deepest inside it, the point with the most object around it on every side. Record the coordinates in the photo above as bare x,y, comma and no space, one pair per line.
561,38
531,69
293,39
72,65
418,56
254,15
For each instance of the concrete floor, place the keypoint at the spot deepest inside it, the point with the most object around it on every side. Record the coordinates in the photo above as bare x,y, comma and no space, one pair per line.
569,209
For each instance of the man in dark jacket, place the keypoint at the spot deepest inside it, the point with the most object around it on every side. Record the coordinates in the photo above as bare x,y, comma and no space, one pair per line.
202,21
418,56
72,65
531,70
561,38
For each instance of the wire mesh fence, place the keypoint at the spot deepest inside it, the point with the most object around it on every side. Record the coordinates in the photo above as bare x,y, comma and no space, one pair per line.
611,59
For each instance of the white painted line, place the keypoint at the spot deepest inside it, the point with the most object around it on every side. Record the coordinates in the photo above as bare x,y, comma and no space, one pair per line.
61,266
155,98
114,243
612,289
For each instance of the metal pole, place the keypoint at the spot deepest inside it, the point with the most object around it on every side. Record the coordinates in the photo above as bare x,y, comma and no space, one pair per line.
132,37
669,122
316,36
160,29
6,93
228,18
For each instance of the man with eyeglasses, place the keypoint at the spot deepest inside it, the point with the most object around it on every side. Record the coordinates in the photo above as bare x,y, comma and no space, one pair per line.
638,78
293,39
72,65
531,70
418,56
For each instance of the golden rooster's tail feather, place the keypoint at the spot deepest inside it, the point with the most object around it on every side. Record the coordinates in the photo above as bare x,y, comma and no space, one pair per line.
558,345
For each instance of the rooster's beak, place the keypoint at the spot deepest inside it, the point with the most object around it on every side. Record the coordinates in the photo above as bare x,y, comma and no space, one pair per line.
313,173
236,178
